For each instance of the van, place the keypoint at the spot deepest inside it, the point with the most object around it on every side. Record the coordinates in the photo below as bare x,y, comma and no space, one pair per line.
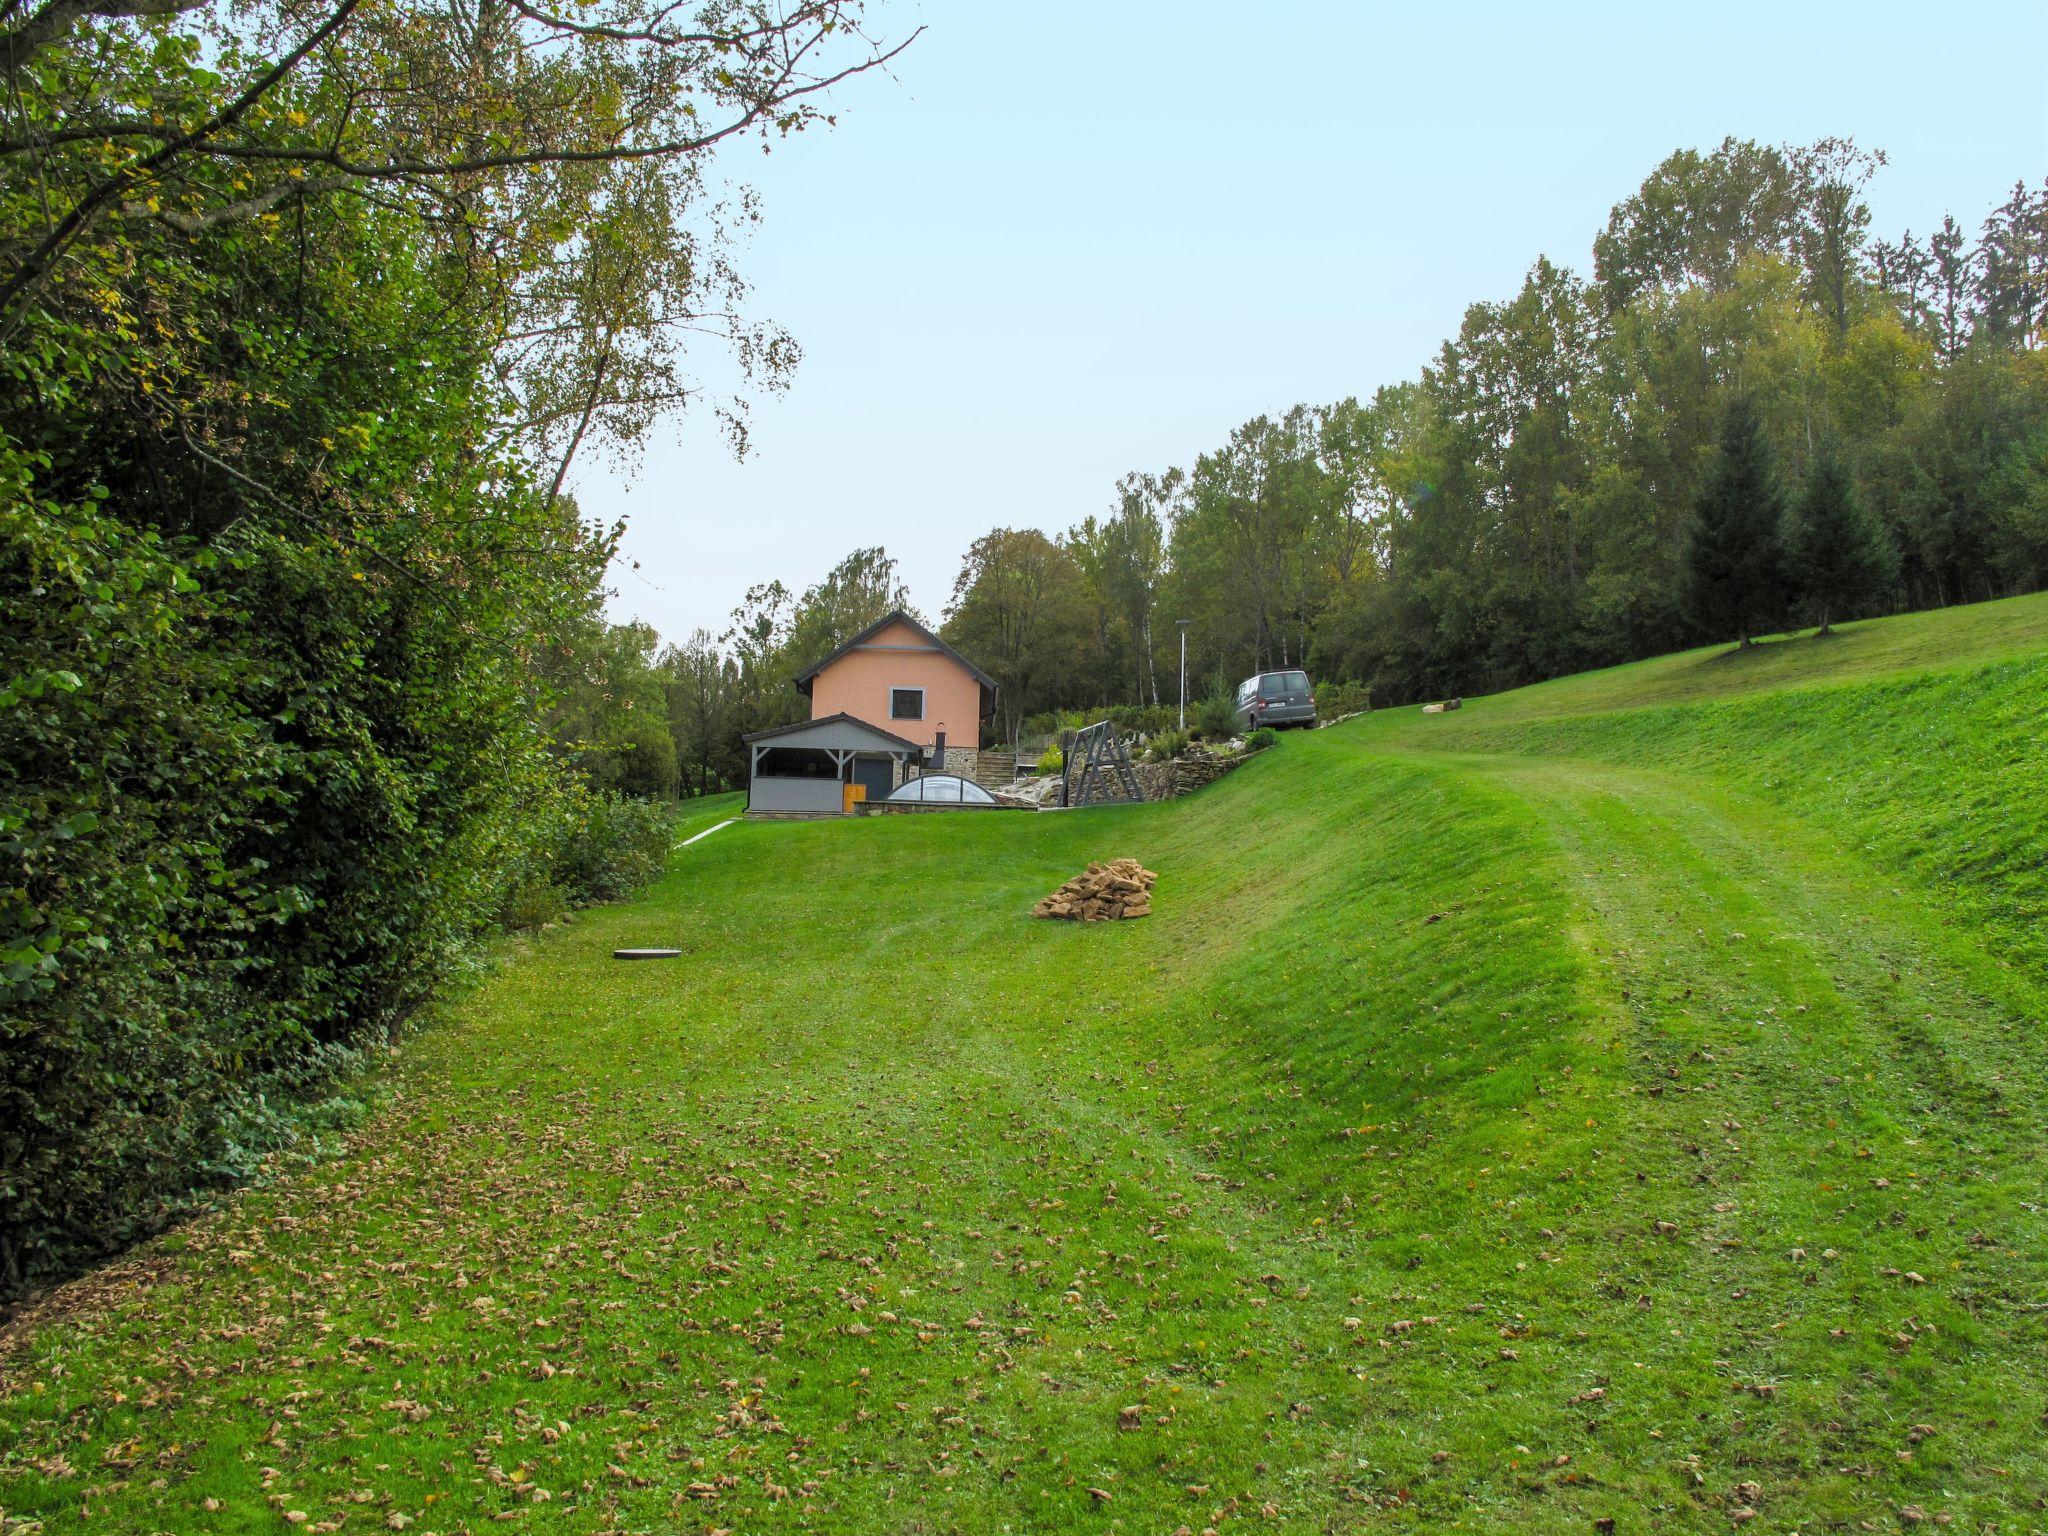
1277,699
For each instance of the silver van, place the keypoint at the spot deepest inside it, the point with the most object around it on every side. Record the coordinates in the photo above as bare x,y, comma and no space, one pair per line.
1276,698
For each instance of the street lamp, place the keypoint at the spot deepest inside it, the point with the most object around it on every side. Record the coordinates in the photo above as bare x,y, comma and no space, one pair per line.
1183,623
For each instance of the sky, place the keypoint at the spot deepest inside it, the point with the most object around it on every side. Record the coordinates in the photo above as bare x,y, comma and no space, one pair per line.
1061,242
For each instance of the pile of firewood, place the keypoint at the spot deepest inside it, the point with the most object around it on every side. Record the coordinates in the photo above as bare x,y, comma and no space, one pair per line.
1120,888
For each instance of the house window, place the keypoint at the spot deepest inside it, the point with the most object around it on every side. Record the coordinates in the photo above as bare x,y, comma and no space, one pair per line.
906,703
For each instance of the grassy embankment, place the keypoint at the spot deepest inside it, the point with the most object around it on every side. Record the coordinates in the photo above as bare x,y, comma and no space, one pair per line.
1623,1098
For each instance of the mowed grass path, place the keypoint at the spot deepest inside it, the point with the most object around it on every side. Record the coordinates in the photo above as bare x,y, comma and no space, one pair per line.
1513,1120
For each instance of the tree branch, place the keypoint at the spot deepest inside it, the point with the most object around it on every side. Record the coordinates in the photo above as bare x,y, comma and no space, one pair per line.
526,159
29,276
247,208
19,46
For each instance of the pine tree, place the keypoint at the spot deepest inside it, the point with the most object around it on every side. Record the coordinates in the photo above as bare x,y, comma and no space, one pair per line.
1734,576
1840,557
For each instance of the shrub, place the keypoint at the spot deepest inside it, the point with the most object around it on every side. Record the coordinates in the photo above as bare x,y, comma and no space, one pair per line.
1140,719
123,920
532,903
1334,700
254,810
616,845
1216,717
1128,719
1265,736
597,845
1052,760
1168,745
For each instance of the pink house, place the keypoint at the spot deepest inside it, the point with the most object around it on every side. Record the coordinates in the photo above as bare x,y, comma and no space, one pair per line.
893,698
899,677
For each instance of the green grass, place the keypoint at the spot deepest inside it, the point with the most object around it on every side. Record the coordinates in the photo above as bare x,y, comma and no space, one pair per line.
1946,638
1621,1099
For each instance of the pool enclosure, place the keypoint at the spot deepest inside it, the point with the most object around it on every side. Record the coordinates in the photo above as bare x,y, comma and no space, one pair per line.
941,789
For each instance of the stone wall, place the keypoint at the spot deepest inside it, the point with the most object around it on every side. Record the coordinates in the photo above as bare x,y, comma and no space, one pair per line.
1182,776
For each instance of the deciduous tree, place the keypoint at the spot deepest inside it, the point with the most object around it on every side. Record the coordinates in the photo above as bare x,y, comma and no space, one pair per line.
1019,612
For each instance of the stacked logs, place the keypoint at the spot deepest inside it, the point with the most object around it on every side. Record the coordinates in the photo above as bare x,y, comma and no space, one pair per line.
1120,888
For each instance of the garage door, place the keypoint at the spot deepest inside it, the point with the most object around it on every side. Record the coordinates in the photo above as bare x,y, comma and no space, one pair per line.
877,773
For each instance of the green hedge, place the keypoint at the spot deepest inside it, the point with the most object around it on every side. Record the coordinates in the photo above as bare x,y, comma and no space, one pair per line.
253,812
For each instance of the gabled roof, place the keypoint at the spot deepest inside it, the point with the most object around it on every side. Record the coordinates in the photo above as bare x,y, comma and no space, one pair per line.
883,740
898,616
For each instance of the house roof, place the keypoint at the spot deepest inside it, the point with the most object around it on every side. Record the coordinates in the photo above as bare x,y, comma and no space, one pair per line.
897,616
883,740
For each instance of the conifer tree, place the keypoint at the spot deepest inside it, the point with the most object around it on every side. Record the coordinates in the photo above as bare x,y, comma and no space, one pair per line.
1734,576
1839,557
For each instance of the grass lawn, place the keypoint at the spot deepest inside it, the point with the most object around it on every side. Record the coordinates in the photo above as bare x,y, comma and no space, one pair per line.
1620,1100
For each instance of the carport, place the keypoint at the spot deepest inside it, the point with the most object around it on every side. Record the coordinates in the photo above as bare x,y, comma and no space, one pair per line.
802,769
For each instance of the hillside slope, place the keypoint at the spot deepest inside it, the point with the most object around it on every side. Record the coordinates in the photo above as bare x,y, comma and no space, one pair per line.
1508,1120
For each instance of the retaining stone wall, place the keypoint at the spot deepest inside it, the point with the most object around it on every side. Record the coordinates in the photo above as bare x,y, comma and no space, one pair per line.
1182,776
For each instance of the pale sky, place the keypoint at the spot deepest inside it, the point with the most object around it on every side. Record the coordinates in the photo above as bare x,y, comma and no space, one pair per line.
1068,241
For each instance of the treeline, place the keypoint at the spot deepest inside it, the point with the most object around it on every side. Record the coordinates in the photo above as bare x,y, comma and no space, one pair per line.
1547,496
304,314
1526,507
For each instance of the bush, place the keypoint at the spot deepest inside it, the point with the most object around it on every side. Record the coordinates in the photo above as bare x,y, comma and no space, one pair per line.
598,845
1052,760
615,846
1216,717
1335,700
1168,745
1129,720
1265,736
1140,719
532,903
253,812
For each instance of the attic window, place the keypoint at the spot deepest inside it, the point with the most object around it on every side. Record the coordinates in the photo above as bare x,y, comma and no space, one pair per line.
906,703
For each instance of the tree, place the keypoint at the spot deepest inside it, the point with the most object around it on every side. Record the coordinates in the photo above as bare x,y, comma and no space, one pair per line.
1124,559
555,152
1734,561
704,701
305,310
2013,255
610,713
1694,218
1839,558
1833,216
1019,612
857,591
1243,569
1954,279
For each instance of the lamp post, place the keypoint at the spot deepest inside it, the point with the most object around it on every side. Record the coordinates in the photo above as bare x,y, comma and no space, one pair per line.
1183,623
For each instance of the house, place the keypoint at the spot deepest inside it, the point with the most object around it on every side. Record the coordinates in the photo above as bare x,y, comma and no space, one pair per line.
893,699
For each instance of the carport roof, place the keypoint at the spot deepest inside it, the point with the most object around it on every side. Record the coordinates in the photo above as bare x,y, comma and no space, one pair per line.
832,731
